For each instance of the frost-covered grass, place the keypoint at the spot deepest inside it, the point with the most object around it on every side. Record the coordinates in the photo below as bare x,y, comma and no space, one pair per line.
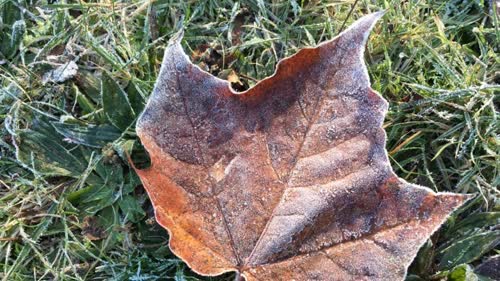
72,209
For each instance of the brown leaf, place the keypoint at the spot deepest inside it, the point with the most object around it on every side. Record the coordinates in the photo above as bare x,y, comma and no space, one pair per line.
289,180
91,229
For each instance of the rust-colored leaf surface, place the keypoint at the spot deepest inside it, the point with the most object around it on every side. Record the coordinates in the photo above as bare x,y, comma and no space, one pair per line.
289,180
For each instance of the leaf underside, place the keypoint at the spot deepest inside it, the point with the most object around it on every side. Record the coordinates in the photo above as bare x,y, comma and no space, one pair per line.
289,180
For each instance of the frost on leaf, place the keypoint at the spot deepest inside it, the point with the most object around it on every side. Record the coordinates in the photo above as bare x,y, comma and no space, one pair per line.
61,74
289,180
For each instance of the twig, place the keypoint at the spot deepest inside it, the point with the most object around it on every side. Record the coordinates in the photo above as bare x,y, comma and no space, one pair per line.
348,15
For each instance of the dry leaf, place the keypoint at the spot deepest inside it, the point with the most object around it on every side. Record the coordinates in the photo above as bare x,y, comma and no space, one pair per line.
289,180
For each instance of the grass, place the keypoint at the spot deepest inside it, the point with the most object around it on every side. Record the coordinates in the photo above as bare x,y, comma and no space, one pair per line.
72,209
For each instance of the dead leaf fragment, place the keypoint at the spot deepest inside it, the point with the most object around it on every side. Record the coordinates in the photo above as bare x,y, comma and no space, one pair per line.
288,180
60,74
91,229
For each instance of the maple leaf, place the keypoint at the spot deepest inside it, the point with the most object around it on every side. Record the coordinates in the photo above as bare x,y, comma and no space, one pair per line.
289,180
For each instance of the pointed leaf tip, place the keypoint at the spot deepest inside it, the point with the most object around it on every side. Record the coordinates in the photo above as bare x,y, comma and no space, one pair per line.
357,34
176,37
368,21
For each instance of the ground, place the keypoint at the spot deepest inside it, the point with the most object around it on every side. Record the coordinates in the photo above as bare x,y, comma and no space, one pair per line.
75,75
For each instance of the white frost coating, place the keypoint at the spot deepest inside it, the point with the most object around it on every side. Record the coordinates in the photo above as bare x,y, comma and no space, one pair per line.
61,73
365,24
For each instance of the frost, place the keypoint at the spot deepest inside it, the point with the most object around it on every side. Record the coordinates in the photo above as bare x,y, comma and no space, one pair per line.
289,180
61,73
